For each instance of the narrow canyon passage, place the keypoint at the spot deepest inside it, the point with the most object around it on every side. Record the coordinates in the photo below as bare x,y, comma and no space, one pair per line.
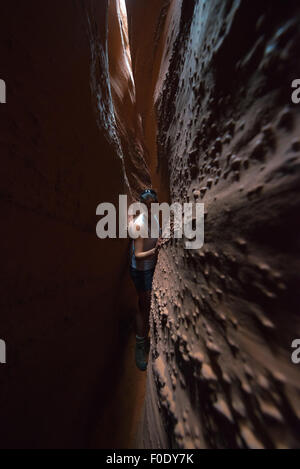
213,86
213,89
192,98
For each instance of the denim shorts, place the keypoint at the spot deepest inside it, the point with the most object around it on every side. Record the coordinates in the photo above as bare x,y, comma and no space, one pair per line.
142,279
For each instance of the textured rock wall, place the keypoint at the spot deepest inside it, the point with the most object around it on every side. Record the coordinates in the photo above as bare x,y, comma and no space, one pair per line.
223,317
149,23
128,120
62,300
212,116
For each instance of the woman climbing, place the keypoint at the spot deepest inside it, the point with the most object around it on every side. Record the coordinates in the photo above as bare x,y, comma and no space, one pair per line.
142,266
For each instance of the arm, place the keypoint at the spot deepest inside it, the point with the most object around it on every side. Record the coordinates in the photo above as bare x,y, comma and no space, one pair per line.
139,249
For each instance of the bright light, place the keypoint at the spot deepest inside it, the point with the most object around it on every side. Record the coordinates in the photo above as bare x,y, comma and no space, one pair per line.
122,12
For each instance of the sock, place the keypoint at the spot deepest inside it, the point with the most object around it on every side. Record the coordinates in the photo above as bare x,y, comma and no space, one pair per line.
140,338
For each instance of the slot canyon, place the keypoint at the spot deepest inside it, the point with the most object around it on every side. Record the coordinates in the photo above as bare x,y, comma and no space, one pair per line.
192,98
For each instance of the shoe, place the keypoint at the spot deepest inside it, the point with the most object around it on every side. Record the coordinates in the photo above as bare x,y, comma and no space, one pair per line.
141,354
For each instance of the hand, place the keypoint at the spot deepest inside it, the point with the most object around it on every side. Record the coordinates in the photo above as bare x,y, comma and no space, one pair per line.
153,252
157,247
159,244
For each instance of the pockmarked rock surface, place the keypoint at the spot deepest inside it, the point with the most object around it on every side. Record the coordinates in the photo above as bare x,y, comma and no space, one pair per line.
223,317
203,106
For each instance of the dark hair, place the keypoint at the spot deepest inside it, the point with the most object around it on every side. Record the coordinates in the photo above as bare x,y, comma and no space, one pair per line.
146,193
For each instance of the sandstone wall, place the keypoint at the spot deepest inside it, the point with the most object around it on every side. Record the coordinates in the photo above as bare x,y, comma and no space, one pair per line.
212,118
65,294
224,316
